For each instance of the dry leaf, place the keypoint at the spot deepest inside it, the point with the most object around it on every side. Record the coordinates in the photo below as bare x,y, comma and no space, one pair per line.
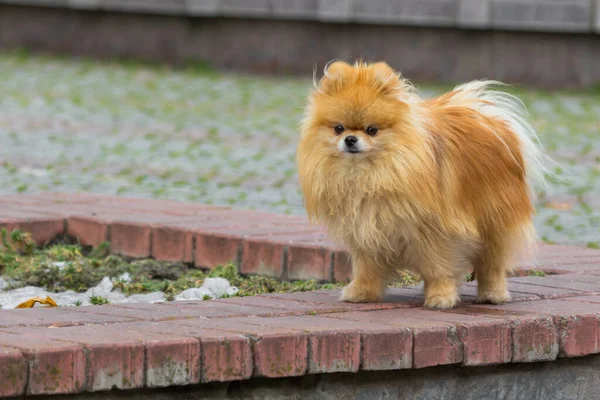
558,206
31,302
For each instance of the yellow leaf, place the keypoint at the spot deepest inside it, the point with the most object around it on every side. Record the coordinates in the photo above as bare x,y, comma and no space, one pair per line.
30,303
558,206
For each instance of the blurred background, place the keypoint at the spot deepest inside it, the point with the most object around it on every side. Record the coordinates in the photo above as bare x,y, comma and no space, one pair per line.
200,100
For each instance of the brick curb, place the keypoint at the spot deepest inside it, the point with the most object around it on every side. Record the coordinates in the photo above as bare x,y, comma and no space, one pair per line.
130,346
285,247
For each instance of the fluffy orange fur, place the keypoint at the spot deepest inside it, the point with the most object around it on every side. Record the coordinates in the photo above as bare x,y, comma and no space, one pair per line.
441,187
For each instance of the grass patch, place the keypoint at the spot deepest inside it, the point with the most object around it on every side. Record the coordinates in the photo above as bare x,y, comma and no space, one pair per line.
534,272
65,266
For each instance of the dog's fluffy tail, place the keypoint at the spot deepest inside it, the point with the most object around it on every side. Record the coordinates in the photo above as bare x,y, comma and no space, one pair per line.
496,104
500,105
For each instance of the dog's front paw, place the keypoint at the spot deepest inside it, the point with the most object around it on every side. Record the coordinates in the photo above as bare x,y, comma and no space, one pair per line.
442,302
493,297
355,293
442,294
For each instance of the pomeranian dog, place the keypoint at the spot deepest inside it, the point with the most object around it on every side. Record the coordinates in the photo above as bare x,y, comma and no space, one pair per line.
439,187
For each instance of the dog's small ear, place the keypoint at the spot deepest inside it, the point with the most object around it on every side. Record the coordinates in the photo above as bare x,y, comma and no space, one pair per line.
337,69
333,75
384,72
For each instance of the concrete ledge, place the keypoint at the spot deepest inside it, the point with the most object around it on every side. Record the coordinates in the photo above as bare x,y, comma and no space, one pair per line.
523,15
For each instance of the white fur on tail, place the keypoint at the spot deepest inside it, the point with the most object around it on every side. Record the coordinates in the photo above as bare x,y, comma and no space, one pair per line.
501,105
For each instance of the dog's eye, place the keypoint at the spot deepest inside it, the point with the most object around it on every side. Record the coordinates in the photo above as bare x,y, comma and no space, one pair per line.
371,130
339,129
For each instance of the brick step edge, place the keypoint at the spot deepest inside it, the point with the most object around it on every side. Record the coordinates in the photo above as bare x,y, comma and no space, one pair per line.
279,246
88,349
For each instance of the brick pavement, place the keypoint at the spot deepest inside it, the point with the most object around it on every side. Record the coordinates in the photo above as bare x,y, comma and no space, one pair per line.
129,346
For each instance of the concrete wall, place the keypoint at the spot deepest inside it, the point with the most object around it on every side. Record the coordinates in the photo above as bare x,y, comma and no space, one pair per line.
538,15
552,43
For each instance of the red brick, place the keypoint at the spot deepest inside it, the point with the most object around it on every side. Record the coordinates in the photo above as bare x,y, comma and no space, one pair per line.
262,257
534,339
593,299
576,279
436,345
342,266
55,367
268,230
173,310
174,362
127,355
114,360
434,342
485,340
164,208
224,309
387,350
568,282
130,239
89,231
277,351
279,305
468,293
334,343
578,335
334,352
172,244
486,343
213,250
543,292
129,232
25,213
64,316
553,308
115,365
309,262
568,265
225,356
53,198
404,297
534,333
280,355
564,253
395,298
13,372
42,230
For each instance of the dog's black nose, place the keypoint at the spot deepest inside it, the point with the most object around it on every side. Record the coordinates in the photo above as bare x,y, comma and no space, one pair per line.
350,140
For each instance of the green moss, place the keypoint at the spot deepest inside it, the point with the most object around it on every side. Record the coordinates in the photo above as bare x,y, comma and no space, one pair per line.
98,300
68,266
533,272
